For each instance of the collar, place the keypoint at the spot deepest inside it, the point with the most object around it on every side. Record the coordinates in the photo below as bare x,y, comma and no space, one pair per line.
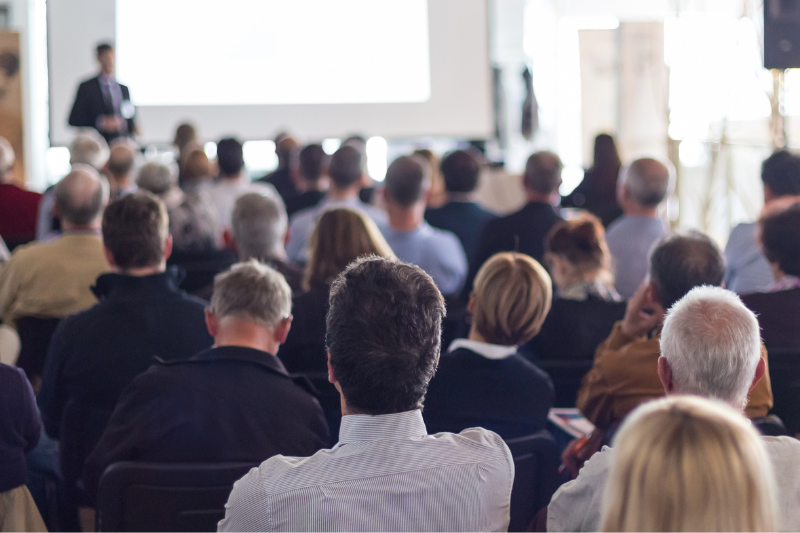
489,351
583,290
95,232
360,428
235,353
163,282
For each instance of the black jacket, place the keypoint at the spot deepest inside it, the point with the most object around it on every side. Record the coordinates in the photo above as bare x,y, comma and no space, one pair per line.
778,315
96,353
509,396
465,219
20,427
225,404
90,105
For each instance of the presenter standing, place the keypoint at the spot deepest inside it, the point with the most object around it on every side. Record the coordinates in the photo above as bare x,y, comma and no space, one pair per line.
102,103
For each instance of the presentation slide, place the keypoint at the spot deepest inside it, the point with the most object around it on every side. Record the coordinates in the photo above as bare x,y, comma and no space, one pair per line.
273,51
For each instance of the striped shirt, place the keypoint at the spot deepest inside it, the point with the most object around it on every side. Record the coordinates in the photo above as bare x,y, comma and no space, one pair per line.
385,474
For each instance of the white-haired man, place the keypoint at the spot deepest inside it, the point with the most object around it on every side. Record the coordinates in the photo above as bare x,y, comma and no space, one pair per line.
711,347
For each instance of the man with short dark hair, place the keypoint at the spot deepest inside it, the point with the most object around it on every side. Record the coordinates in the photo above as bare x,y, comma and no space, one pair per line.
386,473
347,175
309,167
461,214
218,388
439,253
95,354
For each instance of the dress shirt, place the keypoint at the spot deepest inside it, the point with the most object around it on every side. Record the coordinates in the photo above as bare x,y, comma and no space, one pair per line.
577,505
748,270
385,474
437,252
629,241
489,351
225,192
303,222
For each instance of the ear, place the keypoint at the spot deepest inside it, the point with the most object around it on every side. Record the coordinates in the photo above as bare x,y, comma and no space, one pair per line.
332,374
761,369
168,247
109,256
471,304
282,330
211,322
665,375
228,240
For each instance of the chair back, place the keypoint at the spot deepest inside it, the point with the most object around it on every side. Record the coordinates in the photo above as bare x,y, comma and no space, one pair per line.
567,375
201,267
137,496
536,461
35,334
784,373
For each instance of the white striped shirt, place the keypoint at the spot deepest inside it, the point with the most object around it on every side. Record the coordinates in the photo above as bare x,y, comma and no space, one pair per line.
385,474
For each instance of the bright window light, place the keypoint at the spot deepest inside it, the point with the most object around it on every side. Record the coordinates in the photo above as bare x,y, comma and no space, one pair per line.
592,23
57,163
260,156
377,158
571,177
692,153
329,146
210,148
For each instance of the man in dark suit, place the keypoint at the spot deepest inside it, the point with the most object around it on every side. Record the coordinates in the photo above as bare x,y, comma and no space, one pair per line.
102,103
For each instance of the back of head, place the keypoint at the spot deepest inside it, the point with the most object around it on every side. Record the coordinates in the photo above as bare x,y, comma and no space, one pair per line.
7,158
779,234
156,178
121,160
383,334
407,180
606,155
543,173
689,464
196,167
88,148
135,230
581,242
682,261
340,237
253,292
312,162
230,157
185,134
512,298
347,167
461,171
80,196
712,343
284,149
781,173
647,182
259,226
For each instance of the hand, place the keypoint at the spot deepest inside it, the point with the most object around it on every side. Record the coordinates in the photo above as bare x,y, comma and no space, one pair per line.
643,313
579,451
109,123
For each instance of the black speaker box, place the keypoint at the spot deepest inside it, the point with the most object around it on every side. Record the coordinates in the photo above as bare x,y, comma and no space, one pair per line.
781,34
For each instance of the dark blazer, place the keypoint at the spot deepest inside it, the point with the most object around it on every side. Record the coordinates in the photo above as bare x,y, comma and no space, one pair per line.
304,200
509,396
281,179
90,105
226,404
465,219
20,427
96,353
778,315
304,351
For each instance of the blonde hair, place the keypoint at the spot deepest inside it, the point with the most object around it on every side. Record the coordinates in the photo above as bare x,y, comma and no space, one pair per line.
340,237
512,298
686,463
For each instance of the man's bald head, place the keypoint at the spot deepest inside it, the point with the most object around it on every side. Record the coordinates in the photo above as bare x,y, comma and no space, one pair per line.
121,160
647,182
80,196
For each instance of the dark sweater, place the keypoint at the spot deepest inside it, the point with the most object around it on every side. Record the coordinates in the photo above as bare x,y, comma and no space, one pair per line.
778,315
465,219
19,426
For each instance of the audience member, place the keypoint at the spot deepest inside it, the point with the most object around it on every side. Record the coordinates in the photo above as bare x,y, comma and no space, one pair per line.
162,181
643,186
525,230
259,232
20,429
310,169
710,347
281,178
95,354
777,309
461,214
186,141
347,175
748,269
233,181
437,252
53,279
217,389
194,223
120,166
597,193
704,470
18,206
437,195
624,373
482,381
386,473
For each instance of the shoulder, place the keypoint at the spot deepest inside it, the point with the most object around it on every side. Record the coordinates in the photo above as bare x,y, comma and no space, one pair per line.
742,236
305,216
11,377
782,450
576,505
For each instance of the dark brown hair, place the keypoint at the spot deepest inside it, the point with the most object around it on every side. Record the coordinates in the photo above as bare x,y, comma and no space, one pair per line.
581,241
779,233
135,230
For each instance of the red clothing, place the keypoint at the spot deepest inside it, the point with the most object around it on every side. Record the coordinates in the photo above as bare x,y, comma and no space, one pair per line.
18,211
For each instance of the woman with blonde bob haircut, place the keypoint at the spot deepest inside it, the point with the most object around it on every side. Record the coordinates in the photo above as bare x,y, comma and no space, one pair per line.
686,463
482,380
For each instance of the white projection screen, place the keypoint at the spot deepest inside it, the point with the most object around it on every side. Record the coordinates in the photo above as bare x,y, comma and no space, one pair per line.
319,68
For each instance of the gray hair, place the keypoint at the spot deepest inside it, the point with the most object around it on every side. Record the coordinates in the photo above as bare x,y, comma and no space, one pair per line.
648,181
712,344
81,195
89,148
7,157
259,226
254,292
156,177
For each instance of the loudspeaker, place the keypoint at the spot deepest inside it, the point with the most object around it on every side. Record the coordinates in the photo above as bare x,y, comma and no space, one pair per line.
781,34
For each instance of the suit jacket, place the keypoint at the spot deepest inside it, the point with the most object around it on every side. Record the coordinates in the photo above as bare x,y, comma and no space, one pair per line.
226,404
90,105
509,396
465,219
777,314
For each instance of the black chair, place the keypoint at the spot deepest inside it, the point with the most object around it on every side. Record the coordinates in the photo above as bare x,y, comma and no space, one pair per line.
165,497
784,373
536,461
567,375
35,334
201,267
